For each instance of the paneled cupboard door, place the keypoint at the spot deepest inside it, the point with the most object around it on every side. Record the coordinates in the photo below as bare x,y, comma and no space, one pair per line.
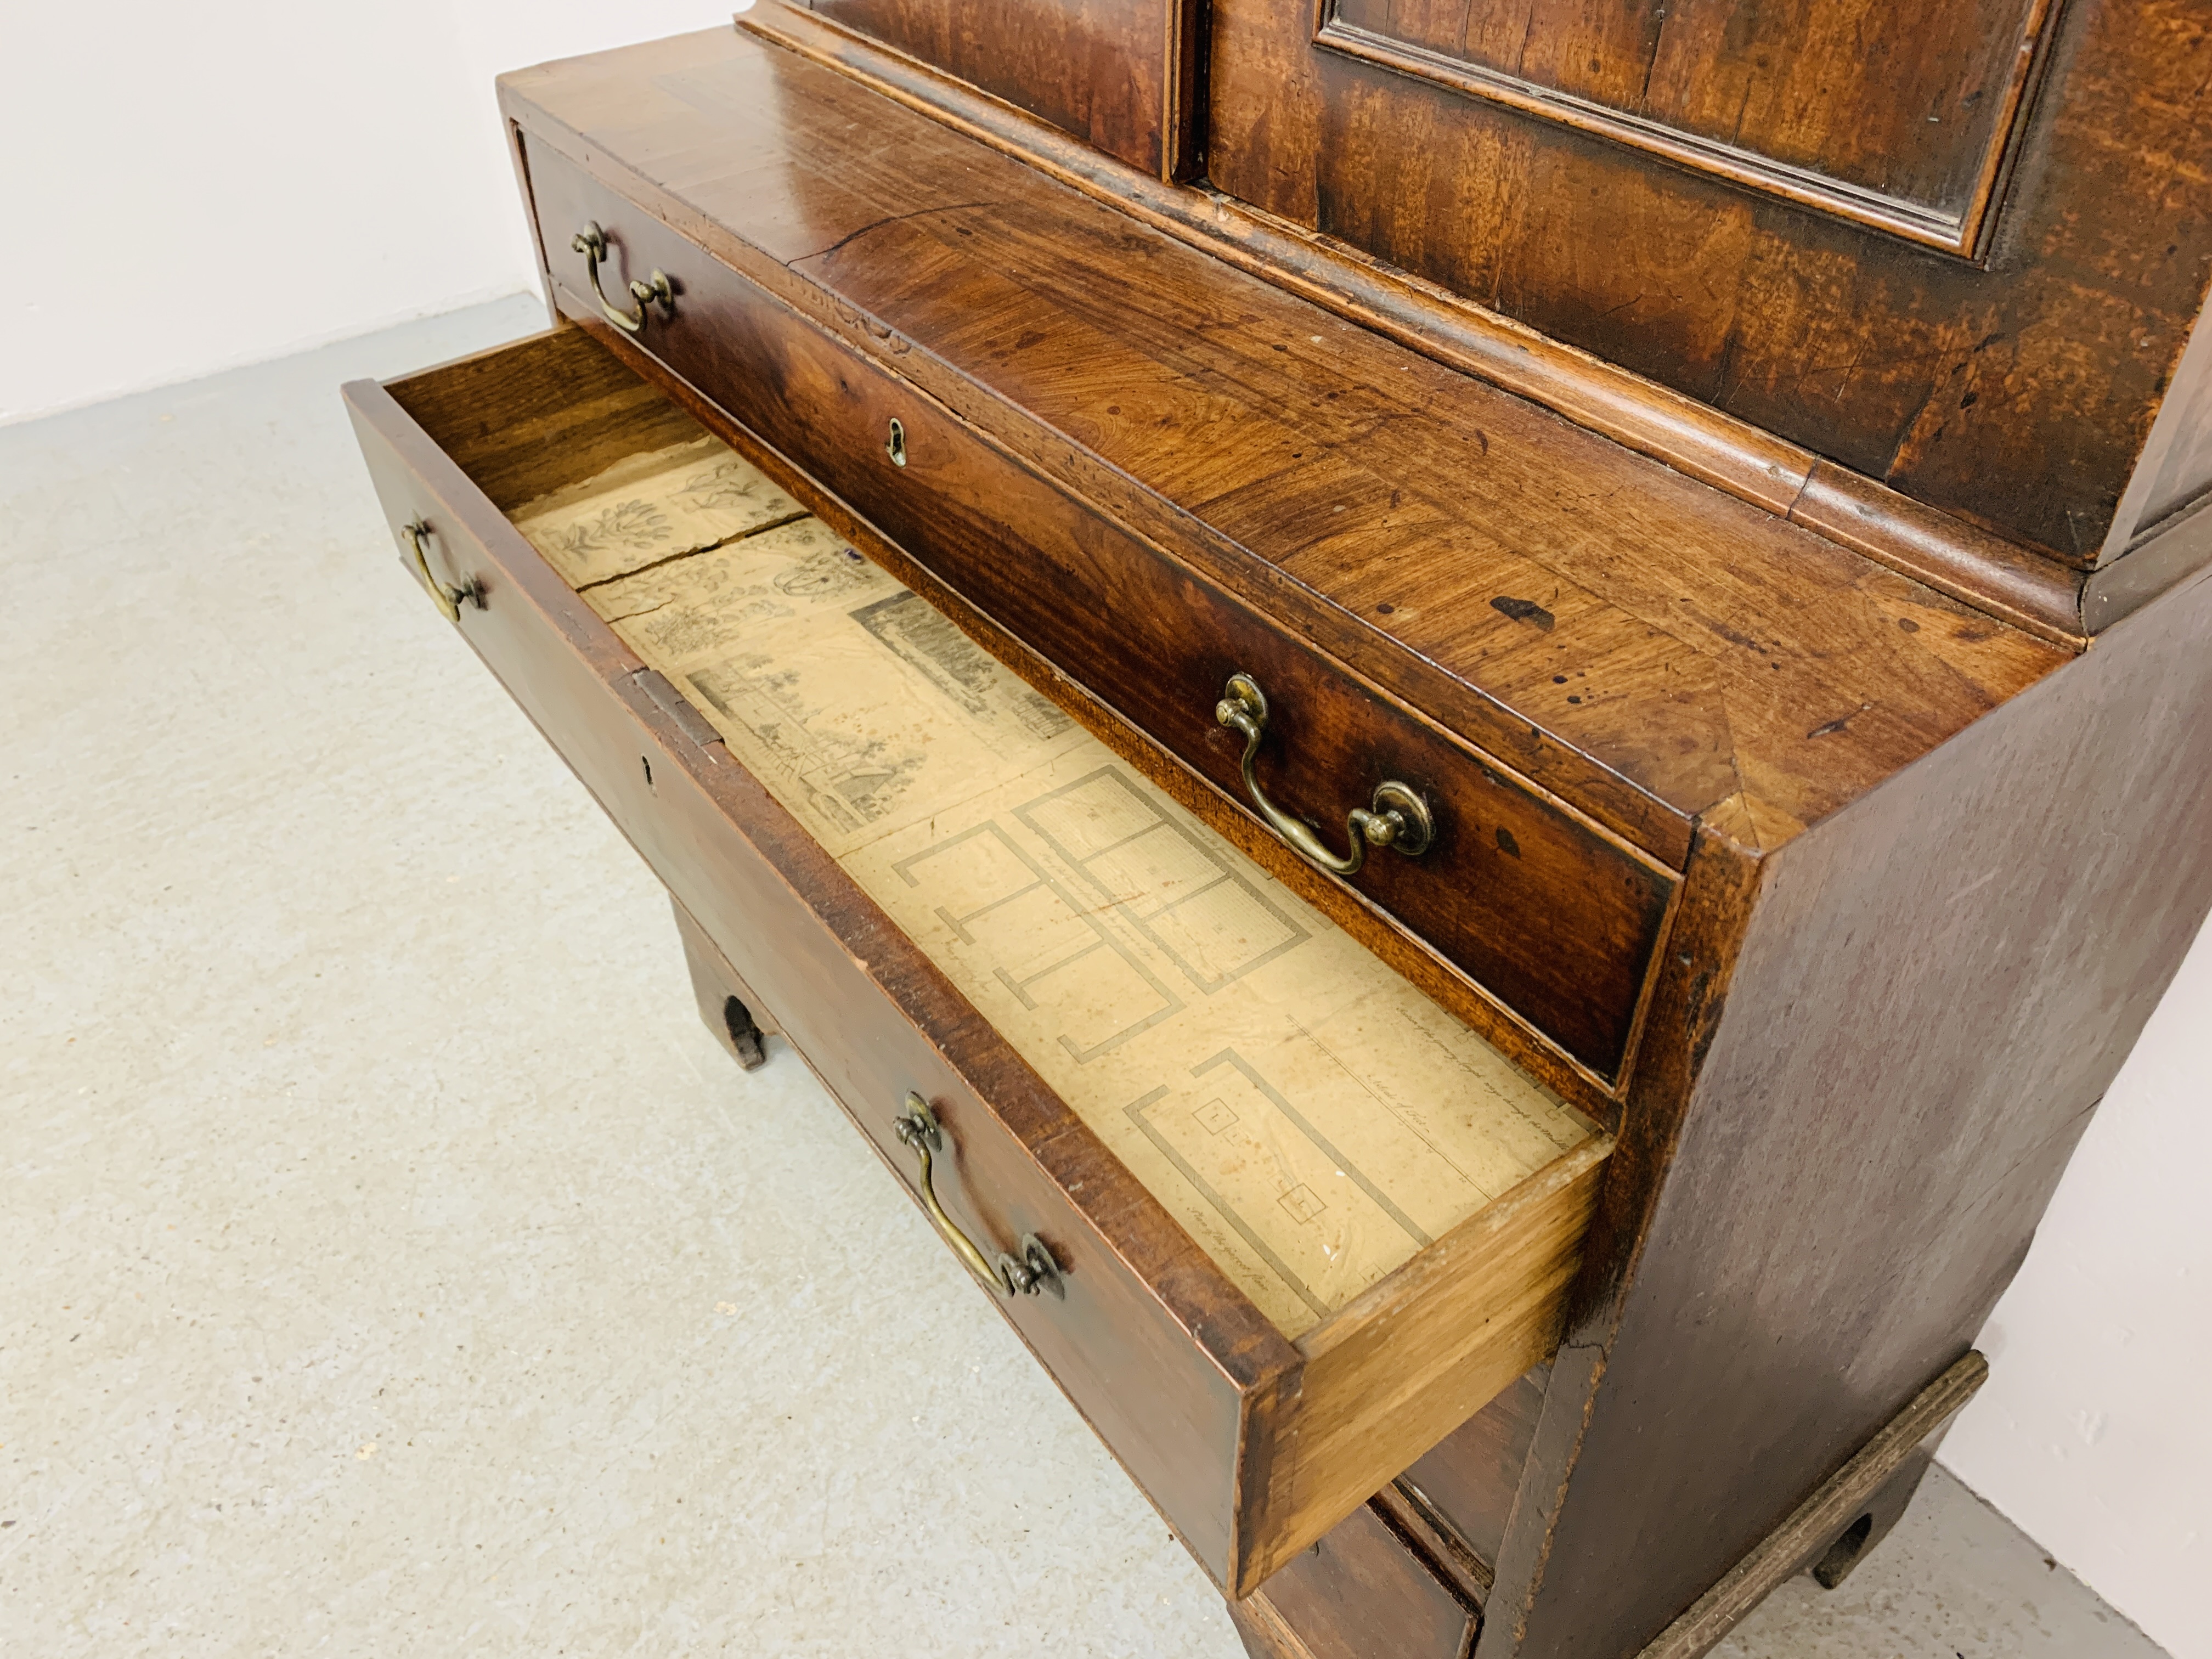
1947,245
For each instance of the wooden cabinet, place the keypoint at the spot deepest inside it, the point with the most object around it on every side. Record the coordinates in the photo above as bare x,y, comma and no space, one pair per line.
1810,758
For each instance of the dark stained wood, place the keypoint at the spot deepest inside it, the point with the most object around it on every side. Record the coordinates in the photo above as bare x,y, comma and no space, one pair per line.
1851,1118
1967,564
1314,471
1901,121
1360,1593
1932,872
1253,1447
1120,75
1429,1534
2016,391
2175,472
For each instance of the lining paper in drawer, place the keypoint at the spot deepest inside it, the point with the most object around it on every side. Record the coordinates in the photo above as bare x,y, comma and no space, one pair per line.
1309,1117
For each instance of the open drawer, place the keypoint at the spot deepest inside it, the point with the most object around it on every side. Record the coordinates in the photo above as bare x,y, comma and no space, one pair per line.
1276,1222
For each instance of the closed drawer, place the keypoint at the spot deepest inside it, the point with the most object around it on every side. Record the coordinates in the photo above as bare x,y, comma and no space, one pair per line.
1517,902
1254,1430
1362,1593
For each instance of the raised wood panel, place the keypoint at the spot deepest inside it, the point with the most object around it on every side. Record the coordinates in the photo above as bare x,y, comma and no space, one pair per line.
1119,74
1894,116
2015,390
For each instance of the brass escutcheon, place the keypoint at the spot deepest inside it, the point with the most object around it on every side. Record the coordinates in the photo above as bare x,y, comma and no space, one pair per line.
1033,1271
1396,816
592,242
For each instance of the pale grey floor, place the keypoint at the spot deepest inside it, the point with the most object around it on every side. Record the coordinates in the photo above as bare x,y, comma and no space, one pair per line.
390,1263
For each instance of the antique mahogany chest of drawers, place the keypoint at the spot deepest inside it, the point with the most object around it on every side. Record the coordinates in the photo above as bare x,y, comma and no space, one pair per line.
1473,733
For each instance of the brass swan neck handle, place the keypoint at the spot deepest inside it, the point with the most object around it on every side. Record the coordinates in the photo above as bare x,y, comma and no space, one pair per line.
1033,1271
592,242
1398,818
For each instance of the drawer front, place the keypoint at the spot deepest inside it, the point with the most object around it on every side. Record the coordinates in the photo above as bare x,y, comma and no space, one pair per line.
1360,1593
1548,914
1142,1343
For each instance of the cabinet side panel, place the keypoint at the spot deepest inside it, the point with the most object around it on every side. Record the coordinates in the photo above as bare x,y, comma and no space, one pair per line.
1935,989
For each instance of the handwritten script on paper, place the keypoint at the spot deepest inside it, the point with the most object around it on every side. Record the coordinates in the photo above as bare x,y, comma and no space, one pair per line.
1309,1118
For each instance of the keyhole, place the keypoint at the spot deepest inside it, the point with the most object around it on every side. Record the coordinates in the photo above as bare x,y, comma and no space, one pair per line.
647,764
896,448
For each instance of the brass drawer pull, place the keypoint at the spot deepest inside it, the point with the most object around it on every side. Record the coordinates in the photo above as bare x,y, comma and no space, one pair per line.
592,242
448,599
1400,819
1033,1271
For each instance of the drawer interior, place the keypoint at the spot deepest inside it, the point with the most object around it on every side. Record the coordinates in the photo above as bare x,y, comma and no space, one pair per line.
1311,1119
1310,1222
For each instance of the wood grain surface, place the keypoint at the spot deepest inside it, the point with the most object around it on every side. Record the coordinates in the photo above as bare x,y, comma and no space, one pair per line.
1464,1486
1360,1593
1534,908
1704,658
1901,121
1958,559
1814,1525
1391,1374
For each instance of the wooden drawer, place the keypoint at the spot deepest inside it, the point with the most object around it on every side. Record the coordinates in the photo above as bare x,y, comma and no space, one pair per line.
1362,1593
1252,1444
1520,899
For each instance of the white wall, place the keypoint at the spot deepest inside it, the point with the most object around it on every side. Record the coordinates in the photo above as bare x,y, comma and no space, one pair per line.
193,186
2093,1432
